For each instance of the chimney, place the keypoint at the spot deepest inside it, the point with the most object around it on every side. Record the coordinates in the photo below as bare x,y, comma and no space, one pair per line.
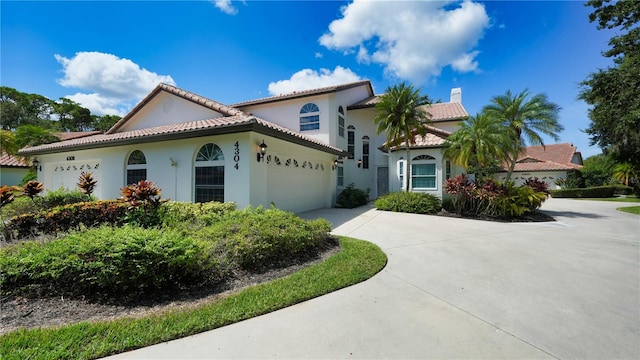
456,95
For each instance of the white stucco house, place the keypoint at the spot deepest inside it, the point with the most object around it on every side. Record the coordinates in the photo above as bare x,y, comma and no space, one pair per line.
314,143
548,163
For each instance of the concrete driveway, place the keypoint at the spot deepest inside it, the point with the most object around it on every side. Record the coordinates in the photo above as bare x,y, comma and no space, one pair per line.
456,288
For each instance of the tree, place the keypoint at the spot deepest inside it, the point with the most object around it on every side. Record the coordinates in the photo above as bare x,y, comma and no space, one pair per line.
72,116
31,135
626,173
480,144
8,142
613,93
597,170
400,114
104,123
526,119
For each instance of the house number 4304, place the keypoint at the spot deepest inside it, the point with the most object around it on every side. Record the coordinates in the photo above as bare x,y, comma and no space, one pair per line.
236,155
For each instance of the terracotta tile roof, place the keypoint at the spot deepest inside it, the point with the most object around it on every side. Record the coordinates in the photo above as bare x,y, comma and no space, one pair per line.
74,134
549,157
439,111
434,137
446,111
221,125
12,161
305,93
200,100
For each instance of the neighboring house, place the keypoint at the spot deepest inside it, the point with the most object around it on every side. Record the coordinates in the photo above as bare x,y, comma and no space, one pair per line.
12,169
547,163
196,149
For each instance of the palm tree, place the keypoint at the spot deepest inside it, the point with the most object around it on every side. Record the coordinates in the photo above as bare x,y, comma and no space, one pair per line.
480,143
400,114
625,173
526,118
32,135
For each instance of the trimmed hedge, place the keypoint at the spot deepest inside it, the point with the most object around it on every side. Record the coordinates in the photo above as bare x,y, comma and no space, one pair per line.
106,262
591,192
131,261
258,239
66,217
409,202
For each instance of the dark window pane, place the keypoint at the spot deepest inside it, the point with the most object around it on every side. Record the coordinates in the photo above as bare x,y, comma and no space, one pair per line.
135,175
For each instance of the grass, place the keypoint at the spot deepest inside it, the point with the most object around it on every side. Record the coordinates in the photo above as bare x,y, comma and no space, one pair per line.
630,209
359,260
615,199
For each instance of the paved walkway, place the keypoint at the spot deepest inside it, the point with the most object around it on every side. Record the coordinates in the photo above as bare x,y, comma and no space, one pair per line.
457,288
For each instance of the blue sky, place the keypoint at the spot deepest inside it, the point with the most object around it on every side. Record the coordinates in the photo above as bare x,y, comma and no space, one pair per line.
109,55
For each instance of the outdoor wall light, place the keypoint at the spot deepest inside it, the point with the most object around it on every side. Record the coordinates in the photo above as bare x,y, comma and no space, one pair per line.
36,164
263,151
359,162
335,164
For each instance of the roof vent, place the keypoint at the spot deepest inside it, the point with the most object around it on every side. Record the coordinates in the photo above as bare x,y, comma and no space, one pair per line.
456,95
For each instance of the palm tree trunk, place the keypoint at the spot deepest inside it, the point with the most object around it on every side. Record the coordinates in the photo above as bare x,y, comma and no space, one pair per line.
511,167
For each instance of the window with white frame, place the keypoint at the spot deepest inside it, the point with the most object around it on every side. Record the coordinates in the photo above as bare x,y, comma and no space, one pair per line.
309,117
423,172
136,167
209,174
351,141
365,152
340,121
340,171
401,172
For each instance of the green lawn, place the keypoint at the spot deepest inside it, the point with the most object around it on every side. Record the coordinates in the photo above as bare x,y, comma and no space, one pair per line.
630,209
616,199
359,260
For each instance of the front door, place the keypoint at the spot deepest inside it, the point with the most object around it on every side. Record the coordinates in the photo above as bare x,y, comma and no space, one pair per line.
383,180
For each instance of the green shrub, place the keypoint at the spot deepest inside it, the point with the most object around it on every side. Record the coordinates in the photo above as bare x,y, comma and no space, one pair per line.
178,214
592,192
258,239
66,217
409,202
62,197
24,205
351,197
107,261
623,190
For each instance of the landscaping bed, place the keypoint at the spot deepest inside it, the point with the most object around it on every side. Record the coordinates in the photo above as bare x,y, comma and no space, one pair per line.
29,312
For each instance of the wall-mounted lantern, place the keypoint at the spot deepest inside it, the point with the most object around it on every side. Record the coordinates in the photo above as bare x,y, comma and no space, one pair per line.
359,162
335,163
36,164
262,152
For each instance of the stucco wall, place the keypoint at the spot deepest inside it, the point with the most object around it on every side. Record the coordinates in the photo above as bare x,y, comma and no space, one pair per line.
167,109
394,176
12,175
547,176
170,164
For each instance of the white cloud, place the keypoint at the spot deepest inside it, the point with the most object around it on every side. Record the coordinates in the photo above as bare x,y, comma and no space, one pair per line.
310,79
414,40
113,83
225,6
318,55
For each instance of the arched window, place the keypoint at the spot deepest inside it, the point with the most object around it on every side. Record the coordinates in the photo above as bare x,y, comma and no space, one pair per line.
423,172
351,141
365,152
136,167
209,174
340,121
309,117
